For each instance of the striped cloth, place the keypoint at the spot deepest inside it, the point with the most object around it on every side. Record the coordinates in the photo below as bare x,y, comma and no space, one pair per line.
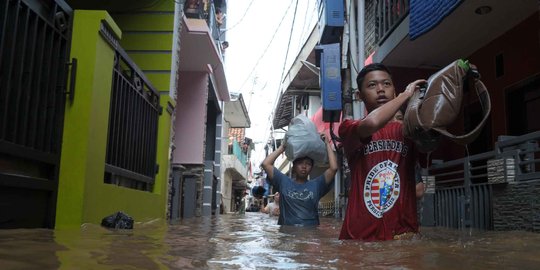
426,14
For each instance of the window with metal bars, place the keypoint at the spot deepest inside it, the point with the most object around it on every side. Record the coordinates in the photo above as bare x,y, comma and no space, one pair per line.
133,124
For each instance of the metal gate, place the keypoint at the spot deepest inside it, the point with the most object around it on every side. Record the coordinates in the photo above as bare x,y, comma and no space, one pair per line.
34,46
463,195
461,207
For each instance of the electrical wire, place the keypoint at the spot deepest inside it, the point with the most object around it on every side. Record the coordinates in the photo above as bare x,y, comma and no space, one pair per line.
288,44
270,124
266,49
304,31
237,23
286,56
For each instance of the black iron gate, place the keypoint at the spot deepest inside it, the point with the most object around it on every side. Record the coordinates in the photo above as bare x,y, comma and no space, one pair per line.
133,123
34,46
464,207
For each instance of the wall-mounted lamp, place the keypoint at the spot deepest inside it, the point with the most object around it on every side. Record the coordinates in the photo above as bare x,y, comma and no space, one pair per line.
483,10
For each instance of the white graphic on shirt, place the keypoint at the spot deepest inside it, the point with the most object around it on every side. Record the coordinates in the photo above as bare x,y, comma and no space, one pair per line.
301,195
381,189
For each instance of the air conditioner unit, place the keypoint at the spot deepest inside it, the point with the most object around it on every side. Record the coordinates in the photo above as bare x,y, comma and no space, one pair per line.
332,21
330,81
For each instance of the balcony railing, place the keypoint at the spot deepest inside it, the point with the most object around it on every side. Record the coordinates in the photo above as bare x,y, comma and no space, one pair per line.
133,124
198,10
518,157
389,14
463,195
236,150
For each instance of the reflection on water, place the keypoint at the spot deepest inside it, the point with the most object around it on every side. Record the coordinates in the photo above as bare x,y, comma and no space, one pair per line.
254,241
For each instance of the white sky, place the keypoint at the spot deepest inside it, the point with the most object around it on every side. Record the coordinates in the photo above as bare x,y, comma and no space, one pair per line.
254,61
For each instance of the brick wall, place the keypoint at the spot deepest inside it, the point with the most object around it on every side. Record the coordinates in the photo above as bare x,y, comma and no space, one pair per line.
196,171
516,206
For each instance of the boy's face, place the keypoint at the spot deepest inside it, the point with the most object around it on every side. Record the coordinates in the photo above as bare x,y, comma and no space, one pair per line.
377,89
302,167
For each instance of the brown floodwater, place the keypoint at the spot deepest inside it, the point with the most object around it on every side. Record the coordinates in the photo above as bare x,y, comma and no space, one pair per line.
254,241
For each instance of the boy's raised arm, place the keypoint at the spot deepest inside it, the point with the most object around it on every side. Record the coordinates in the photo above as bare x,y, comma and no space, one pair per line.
330,173
379,117
268,162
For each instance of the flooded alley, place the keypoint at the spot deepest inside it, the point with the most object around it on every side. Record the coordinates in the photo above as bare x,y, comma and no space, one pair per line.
178,113
254,241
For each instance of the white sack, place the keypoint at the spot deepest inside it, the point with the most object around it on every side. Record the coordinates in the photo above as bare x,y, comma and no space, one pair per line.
303,140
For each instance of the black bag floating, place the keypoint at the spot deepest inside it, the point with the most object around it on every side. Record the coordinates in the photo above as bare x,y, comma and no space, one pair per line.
119,220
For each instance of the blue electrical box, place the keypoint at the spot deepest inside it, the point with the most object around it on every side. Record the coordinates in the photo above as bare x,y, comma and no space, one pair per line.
332,21
330,81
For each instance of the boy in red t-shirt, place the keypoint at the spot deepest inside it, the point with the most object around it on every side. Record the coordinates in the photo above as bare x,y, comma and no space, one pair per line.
382,200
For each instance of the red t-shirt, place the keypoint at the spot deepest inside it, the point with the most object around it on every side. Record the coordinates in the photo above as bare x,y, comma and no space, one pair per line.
381,203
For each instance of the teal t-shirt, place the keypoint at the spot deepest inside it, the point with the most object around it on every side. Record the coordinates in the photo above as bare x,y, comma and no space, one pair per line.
299,203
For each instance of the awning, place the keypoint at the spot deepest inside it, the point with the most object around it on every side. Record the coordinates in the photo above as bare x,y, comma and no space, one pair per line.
198,52
236,112
284,111
300,80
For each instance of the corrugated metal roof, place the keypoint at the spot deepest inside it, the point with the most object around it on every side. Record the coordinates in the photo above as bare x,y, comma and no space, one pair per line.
284,111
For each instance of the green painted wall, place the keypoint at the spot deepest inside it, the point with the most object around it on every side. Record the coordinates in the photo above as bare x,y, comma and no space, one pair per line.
148,39
153,61
85,128
160,80
137,41
82,194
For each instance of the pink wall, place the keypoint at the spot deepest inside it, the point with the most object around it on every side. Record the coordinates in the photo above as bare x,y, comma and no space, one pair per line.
190,122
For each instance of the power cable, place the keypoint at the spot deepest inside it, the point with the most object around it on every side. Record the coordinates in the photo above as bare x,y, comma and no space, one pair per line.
266,49
304,25
288,44
241,19
278,93
270,123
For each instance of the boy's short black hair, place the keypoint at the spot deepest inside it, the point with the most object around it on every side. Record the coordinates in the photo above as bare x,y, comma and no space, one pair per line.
303,158
369,68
